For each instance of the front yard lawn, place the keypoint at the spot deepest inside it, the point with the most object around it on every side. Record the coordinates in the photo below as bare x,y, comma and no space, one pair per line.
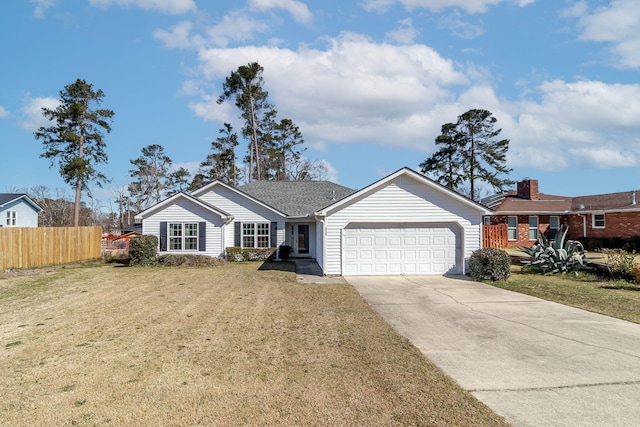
618,299
225,345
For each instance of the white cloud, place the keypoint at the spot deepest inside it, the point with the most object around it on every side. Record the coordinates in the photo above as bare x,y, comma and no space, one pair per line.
618,25
459,27
354,91
41,6
405,33
31,112
469,6
173,7
298,10
582,123
3,113
235,27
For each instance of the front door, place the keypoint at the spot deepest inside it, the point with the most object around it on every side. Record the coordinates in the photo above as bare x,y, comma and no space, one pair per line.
301,239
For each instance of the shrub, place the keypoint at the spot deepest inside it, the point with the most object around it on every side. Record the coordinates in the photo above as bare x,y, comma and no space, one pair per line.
620,264
283,252
238,254
594,245
490,264
616,243
143,250
559,256
188,260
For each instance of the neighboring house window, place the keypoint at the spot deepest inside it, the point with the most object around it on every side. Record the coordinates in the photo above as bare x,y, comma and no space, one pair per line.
255,235
598,220
533,227
183,236
486,220
12,219
554,226
512,228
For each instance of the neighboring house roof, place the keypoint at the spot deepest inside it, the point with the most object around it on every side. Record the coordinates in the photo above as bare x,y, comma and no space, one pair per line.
6,198
297,198
413,174
172,199
513,203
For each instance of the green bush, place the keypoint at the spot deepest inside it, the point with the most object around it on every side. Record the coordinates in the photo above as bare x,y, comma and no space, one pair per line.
620,264
490,264
616,243
595,244
143,250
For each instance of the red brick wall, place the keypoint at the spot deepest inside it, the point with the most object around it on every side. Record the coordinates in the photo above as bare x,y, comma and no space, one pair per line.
617,224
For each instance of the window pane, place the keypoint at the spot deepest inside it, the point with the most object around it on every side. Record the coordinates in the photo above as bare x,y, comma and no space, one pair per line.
533,227
554,222
248,229
175,243
598,220
263,241
512,228
191,229
513,221
248,242
263,229
175,230
190,243
512,234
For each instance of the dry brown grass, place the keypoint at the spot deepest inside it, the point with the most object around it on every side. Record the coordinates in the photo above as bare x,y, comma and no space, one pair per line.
227,345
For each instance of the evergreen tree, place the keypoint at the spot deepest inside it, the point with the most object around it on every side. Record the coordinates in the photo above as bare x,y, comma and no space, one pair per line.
152,176
76,138
221,163
471,153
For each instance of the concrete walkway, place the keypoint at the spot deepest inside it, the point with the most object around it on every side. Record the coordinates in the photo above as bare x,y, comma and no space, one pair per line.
535,362
308,271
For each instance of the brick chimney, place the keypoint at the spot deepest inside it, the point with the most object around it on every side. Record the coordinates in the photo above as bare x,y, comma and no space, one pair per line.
528,189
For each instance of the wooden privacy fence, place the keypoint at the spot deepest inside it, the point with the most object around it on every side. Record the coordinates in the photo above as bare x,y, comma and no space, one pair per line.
494,236
34,247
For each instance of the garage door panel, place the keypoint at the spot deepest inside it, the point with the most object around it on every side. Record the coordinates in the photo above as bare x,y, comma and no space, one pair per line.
400,249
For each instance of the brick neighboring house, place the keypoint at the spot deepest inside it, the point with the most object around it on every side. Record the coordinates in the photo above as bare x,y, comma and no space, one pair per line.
526,212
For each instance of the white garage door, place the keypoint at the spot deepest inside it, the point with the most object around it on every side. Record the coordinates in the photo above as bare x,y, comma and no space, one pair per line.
370,249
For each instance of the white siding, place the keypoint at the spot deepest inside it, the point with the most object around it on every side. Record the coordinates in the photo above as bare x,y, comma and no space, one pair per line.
402,200
242,209
26,216
186,211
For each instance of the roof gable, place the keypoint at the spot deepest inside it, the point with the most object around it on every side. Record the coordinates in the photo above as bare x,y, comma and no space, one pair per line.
171,200
6,198
407,173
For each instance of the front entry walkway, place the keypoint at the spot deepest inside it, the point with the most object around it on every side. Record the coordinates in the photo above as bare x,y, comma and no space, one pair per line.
535,362
308,271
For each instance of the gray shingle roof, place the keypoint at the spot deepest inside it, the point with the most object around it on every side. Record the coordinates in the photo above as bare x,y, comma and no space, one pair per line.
9,197
297,198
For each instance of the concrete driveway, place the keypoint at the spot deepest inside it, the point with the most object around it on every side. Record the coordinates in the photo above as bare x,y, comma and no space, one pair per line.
535,362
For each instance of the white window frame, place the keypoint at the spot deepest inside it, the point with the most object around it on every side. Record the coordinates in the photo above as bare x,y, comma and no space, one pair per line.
594,220
255,235
11,219
185,240
511,229
535,229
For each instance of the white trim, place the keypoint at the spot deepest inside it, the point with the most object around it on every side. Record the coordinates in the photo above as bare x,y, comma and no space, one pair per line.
224,215
537,226
593,220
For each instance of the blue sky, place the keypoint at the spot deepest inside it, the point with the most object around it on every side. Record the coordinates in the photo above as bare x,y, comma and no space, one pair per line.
369,82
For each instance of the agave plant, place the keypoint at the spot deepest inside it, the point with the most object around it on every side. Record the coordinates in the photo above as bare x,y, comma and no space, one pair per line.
558,256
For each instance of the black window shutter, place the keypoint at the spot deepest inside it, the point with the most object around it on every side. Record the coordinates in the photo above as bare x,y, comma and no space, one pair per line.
163,236
202,236
274,234
237,227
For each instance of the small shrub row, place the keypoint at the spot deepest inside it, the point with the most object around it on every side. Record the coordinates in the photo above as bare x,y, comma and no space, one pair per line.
620,264
238,254
596,244
490,264
188,260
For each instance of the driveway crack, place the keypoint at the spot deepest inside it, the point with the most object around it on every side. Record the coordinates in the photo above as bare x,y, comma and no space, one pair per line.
560,387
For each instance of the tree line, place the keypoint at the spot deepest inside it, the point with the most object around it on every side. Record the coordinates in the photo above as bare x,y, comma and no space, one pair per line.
75,141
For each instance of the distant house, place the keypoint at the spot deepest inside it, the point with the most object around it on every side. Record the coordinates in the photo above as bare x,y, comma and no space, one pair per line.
527,212
18,210
402,224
